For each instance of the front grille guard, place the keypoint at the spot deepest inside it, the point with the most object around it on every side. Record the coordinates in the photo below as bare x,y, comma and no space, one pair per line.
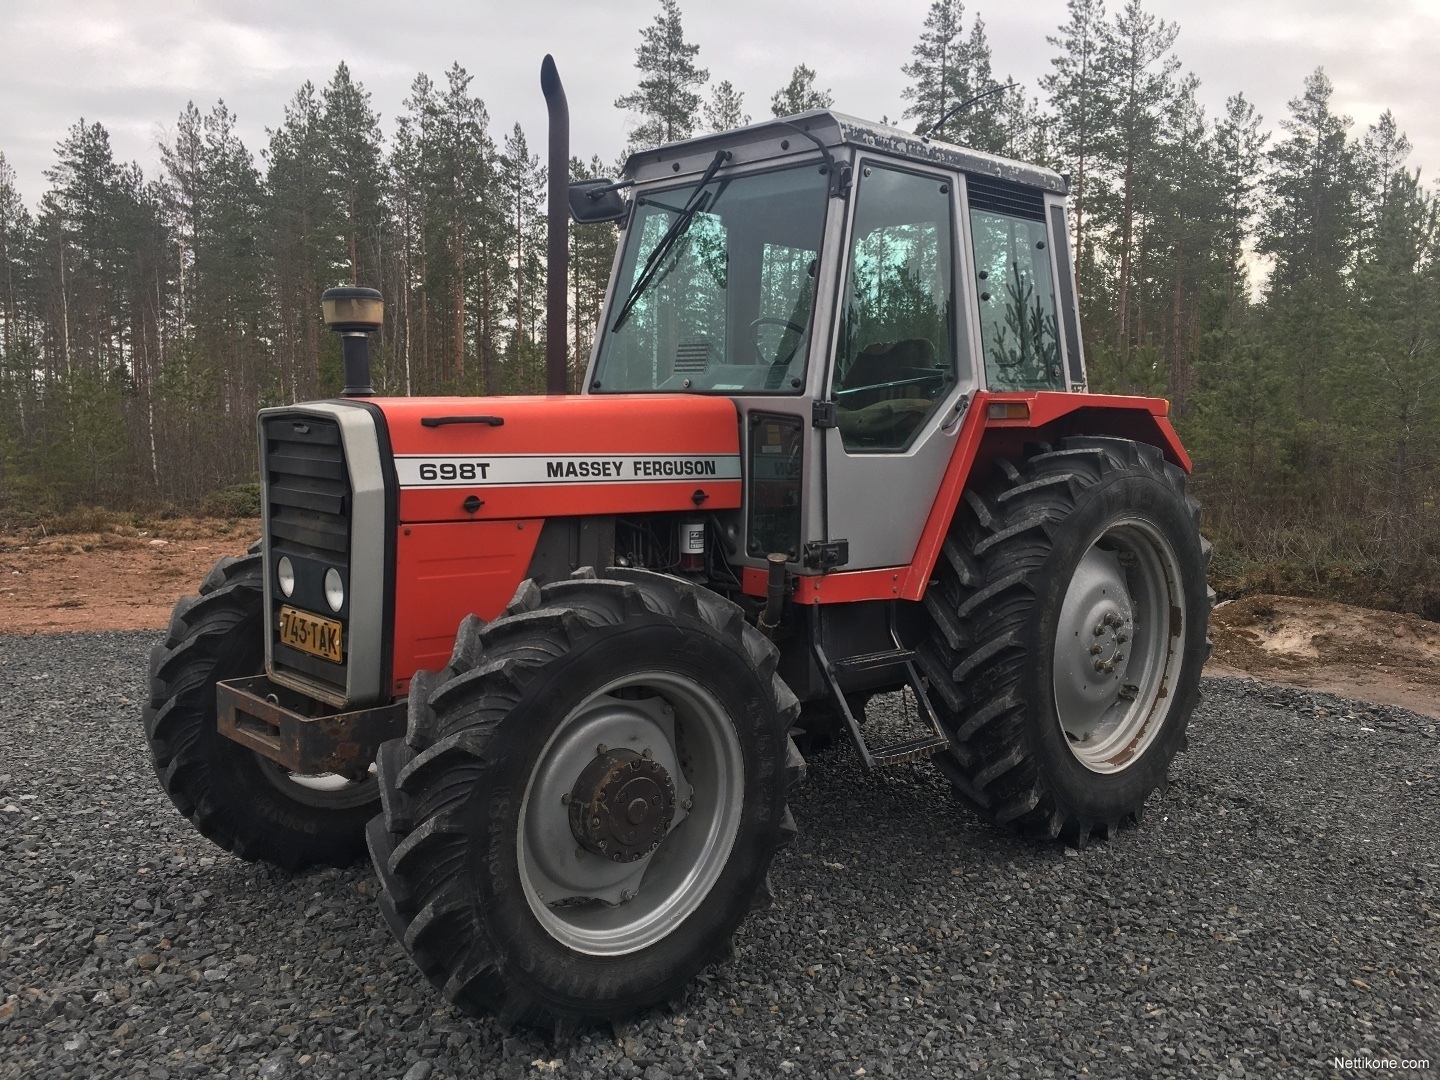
299,511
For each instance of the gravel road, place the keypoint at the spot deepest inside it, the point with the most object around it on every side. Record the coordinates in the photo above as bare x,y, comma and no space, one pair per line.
1278,908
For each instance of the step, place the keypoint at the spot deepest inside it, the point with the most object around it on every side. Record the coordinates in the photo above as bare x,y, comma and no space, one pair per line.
911,750
871,661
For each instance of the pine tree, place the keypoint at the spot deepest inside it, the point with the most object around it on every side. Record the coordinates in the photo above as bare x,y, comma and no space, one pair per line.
1313,202
354,173
938,73
799,94
1080,100
666,98
1240,146
301,233
523,179
725,109
1141,70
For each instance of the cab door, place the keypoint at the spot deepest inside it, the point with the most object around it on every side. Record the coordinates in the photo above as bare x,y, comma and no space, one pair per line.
900,370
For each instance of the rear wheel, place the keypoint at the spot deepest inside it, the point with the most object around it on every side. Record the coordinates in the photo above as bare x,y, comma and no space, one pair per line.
1068,633
587,800
235,797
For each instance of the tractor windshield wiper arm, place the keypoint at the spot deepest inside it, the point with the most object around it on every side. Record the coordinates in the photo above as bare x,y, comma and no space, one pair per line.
677,229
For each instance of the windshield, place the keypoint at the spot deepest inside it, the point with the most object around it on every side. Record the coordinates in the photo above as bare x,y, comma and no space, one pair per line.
727,307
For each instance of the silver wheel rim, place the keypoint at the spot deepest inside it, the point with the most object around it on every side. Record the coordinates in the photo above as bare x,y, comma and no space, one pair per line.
602,908
1119,645
324,791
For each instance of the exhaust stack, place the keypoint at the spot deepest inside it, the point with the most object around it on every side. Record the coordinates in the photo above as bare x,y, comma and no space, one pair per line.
557,250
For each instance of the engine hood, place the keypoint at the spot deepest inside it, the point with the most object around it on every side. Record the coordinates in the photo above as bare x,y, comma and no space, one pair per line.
536,457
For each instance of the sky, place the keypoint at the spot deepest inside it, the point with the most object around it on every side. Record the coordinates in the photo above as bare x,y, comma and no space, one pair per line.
133,65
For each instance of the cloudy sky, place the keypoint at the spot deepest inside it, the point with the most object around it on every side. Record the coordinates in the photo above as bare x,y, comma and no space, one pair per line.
132,65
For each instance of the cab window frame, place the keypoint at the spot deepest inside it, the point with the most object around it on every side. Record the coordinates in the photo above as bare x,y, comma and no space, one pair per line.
961,371
661,189
1064,381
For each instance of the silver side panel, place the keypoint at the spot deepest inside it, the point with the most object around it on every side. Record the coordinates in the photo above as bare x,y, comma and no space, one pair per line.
366,633
879,500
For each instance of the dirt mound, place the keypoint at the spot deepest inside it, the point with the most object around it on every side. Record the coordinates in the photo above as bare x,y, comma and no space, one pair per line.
1319,644
122,579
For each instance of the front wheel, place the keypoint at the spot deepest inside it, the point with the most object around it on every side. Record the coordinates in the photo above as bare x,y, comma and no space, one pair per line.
587,799
235,797
1068,630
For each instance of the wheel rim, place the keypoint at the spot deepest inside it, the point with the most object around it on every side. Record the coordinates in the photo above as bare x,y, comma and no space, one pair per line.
1119,645
588,902
326,791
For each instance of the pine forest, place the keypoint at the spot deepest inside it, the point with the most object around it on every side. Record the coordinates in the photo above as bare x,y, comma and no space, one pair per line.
1275,277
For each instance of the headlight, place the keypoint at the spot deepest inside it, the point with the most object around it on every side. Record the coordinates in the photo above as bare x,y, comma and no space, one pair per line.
285,574
334,589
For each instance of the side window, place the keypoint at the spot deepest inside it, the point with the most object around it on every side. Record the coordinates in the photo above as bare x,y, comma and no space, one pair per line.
1017,301
896,356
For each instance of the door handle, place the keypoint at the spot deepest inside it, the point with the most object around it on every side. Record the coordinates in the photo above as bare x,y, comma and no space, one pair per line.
956,412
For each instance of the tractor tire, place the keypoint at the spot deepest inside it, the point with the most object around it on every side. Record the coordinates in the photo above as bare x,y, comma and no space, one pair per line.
519,897
235,797
1068,625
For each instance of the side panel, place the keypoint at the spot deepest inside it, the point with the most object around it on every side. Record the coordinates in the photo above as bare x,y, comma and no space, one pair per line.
446,570
1052,415
521,457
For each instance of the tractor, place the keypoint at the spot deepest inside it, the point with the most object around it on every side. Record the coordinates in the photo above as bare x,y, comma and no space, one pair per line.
548,658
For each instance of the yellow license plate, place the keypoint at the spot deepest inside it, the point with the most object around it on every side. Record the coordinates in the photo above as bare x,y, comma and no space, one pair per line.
310,633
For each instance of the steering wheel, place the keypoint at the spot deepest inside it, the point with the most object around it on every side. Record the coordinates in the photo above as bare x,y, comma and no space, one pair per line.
780,361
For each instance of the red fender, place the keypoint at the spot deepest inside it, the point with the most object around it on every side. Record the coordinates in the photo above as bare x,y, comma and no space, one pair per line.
997,425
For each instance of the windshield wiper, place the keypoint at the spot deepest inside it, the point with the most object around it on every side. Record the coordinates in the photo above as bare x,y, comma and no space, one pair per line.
677,229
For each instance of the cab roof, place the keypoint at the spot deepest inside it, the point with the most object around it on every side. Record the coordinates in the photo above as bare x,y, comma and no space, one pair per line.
765,140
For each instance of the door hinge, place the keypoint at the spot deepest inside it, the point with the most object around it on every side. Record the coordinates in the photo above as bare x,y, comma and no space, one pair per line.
822,414
827,554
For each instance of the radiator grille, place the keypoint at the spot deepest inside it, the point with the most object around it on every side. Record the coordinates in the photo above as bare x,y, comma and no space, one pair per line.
308,499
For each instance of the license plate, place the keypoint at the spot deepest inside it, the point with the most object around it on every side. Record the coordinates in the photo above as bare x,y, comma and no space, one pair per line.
310,633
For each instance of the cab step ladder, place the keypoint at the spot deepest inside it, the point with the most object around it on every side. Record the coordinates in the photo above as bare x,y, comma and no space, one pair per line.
915,749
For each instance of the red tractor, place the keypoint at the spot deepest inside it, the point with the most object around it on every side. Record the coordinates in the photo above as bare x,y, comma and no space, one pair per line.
549,656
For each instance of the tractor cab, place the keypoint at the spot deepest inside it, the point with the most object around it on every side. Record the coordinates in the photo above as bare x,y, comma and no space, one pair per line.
850,286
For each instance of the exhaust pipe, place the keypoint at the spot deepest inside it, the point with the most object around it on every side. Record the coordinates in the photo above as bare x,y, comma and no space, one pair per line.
557,250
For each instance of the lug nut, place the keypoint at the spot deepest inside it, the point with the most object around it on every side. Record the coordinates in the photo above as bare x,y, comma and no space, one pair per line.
1119,657
686,804
647,754
1099,629
1096,649
1099,665
1122,637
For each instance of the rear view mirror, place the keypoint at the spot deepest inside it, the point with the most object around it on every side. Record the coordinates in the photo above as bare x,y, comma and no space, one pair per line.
594,201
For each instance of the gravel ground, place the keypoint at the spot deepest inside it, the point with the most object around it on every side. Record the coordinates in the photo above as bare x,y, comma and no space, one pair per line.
1278,908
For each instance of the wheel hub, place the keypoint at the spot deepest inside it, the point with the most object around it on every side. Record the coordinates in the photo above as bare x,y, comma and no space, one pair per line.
622,804
1115,645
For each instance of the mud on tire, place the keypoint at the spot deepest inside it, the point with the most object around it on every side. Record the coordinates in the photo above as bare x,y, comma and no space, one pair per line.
1074,525
462,796
233,797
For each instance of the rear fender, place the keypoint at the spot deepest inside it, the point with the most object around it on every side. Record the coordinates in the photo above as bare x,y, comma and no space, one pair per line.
986,434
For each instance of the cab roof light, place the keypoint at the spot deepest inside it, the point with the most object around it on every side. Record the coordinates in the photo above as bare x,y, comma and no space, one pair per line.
1009,410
